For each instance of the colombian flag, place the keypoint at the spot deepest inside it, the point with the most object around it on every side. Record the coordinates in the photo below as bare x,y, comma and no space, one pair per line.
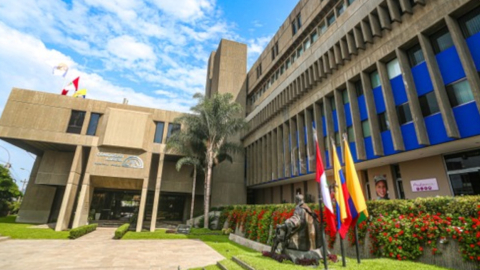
356,202
344,217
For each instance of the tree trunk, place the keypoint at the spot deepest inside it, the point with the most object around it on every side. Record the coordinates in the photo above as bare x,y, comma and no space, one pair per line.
193,193
208,179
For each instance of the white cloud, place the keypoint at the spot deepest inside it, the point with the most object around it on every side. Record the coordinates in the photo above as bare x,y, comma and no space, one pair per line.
188,10
255,47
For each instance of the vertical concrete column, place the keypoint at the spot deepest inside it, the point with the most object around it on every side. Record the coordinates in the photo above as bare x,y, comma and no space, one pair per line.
329,121
352,48
257,162
384,18
141,210
406,6
418,121
316,72
326,64
331,58
321,69
356,122
372,114
70,191
312,75
439,88
274,154
268,165
390,107
367,32
250,165
265,158
344,49
375,24
293,143
310,143
86,121
359,42
287,154
465,57
337,54
317,115
280,157
342,127
394,10
301,144
83,203
156,197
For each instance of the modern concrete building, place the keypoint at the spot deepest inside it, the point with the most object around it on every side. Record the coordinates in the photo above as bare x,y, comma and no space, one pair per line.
100,161
399,77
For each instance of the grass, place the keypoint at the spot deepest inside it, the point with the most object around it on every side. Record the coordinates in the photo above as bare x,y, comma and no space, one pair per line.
8,227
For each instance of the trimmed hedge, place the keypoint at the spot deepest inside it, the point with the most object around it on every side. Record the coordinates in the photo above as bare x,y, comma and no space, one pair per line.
121,231
82,230
397,228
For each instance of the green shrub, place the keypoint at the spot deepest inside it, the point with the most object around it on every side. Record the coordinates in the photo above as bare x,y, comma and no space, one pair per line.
82,230
121,231
201,222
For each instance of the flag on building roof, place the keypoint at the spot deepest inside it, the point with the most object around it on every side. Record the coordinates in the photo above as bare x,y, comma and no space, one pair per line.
344,217
358,207
60,70
80,93
71,86
322,181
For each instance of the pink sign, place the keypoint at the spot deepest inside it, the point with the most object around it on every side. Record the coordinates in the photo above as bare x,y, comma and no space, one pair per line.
424,185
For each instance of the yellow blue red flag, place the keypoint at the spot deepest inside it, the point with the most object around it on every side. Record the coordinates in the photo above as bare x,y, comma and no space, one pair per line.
344,217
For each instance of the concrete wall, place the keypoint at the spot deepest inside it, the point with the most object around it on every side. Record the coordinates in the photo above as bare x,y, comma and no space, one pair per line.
54,168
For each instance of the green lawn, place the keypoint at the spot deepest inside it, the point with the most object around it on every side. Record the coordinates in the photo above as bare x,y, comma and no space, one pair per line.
8,227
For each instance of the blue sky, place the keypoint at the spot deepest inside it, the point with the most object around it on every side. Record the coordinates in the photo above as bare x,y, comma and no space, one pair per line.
152,52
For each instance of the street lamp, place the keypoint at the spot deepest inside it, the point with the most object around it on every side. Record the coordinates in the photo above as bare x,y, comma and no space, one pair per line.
7,165
24,181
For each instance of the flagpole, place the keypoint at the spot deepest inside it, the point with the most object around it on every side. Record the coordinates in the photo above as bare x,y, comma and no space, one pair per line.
356,242
344,263
324,243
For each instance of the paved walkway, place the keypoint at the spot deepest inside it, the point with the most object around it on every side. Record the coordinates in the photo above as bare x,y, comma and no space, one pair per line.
98,250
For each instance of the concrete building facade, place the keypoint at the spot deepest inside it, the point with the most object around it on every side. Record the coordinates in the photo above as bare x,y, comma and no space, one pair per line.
399,77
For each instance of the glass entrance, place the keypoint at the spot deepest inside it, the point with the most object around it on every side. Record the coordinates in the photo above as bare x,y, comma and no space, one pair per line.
110,204
171,207
464,172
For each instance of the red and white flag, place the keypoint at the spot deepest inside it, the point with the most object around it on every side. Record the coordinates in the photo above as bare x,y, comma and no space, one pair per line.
71,86
322,181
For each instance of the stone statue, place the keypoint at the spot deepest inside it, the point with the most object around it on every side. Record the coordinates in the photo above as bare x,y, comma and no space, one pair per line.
301,232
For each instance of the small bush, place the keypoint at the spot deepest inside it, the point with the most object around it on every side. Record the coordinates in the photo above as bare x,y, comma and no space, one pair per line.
121,231
82,230
200,222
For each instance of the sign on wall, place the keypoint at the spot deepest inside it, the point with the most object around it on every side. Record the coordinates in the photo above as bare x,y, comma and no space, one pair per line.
119,160
424,185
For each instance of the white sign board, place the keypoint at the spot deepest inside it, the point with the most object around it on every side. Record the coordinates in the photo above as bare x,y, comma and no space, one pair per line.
424,185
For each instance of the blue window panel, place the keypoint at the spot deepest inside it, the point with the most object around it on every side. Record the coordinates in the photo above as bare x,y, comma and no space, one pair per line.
473,43
324,126
468,119
436,130
379,101
327,160
305,134
353,151
398,89
409,137
369,148
387,142
450,65
362,107
348,114
339,154
422,80
308,164
335,120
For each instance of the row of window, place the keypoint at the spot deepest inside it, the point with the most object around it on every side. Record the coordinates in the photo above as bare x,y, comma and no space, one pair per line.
77,118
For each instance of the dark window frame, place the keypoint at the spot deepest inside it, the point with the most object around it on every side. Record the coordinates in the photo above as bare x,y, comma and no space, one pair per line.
156,138
413,55
75,125
434,39
463,20
92,125
428,105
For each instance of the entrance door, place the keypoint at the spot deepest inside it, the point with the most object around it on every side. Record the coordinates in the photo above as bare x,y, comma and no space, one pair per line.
171,207
110,204
464,172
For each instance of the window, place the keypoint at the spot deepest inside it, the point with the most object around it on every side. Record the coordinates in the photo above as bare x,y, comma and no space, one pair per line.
337,139
366,129
314,36
350,2
393,69
306,44
299,21
350,134
294,28
383,122
332,103
375,79
92,125
299,51
441,40
358,88
274,50
459,93
159,126
259,70
172,128
344,96
296,24
428,104
470,23
463,172
76,122
331,19
288,63
322,28
404,114
294,57
415,55
340,8
282,69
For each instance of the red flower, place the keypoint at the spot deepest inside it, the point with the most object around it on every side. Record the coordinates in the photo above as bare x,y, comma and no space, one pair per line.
400,247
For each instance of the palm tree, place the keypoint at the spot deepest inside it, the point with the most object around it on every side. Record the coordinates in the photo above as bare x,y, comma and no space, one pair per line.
207,130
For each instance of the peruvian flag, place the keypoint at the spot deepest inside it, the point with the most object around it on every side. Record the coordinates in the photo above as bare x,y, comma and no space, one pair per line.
71,86
322,181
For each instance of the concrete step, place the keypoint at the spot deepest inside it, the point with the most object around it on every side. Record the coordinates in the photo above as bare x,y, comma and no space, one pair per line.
228,265
242,264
